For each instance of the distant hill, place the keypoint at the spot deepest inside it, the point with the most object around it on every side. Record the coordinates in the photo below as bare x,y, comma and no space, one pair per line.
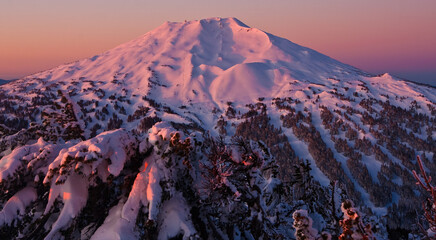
3,81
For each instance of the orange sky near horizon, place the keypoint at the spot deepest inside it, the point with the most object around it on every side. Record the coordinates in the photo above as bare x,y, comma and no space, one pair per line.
376,36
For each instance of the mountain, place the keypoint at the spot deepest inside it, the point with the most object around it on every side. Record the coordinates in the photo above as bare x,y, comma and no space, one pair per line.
209,129
3,81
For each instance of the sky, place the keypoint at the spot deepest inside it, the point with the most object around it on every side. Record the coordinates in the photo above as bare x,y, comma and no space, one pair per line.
377,36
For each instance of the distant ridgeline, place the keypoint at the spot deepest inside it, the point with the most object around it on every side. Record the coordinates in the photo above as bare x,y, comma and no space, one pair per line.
3,81
211,129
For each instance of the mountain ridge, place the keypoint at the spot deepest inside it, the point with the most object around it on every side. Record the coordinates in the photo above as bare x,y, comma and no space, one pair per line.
3,81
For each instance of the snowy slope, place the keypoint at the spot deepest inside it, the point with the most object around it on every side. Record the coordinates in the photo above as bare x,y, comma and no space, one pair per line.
215,76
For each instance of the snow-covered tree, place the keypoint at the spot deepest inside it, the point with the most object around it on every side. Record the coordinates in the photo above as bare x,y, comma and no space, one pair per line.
241,191
352,226
303,227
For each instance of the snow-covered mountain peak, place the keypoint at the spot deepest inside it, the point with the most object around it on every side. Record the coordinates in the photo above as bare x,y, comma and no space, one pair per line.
203,60
213,61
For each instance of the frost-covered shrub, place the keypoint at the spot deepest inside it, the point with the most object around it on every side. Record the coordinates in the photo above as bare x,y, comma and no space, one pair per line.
352,226
424,181
303,227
